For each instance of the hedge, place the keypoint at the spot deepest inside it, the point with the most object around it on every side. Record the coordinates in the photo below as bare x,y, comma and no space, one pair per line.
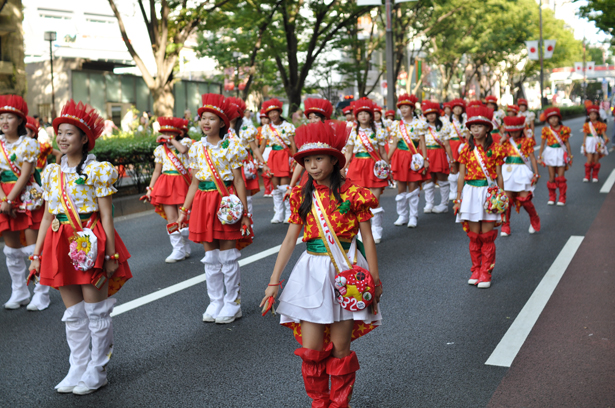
568,112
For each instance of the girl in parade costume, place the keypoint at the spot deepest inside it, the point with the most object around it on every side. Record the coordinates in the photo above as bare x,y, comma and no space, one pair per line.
246,131
216,163
45,148
280,134
170,181
447,109
389,118
366,147
78,249
350,119
498,115
439,155
480,152
309,304
459,134
555,154
512,110
520,172
594,143
18,156
407,139
528,115
264,152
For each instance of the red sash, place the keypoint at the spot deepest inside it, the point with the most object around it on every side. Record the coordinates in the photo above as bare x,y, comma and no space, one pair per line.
71,210
214,172
277,136
439,142
14,167
367,144
457,130
406,138
177,164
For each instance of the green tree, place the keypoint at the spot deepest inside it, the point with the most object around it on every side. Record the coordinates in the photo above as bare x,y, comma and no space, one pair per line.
602,13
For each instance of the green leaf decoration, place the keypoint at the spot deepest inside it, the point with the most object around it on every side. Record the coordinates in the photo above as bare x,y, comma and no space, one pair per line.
80,181
225,144
283,131
372,136
13,157
244,127
344,207
489,153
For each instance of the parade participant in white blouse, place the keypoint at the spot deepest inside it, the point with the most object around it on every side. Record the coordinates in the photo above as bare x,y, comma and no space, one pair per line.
217,185
78,250
528,115
21,199
409,170
364,149
498,116
281,136
459,135
439,156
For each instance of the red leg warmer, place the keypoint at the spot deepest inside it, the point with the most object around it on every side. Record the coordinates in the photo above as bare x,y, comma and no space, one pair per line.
526,202
506,220
476,256
552,186
315,377
588,171
563,187
342,372
596,171
488,252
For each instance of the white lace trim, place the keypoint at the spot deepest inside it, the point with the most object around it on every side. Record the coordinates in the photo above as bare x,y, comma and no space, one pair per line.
68,170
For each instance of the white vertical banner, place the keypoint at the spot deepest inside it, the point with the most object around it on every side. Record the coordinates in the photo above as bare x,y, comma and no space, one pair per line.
589,66
532,49
549,48
578,67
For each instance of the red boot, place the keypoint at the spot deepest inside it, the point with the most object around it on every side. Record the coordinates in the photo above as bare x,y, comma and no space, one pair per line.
476,256
552,186
506,221
488,252
315,377
588,172
526,202
342,372
563,187
596,167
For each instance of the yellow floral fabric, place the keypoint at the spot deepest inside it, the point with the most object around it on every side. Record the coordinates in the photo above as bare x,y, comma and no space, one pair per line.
459,130
286,130
225,159
416,128
100,177
377,139
25,149
161,157
443,134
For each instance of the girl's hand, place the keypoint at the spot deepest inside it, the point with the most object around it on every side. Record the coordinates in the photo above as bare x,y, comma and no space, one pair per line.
426,164
456,208
110,267
149,195
6,208
266,168
181,219
163,138
377,294
245,221
271,291
35,265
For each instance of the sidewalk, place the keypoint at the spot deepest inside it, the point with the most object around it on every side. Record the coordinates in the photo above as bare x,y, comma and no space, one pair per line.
568,359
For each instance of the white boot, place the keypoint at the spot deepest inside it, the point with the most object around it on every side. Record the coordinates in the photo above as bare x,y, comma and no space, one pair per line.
402,208
278,206
177,242
286,202
249,199
413,208
40,300
377,223
185,232
452,179
444,193
16,264
215,285
101,330
232,282
78,339
429,197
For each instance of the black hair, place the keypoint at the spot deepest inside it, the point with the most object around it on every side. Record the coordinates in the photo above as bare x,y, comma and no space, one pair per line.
320,116
22,130
84,156
450,118
587,119
336,180
439,123
559,120
238,124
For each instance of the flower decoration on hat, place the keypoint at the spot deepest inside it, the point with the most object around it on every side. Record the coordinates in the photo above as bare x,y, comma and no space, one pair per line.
171,125
14,104
33,125
522,101
514,123
430,107
553,111
512,108
84,117
481,115
327,137
390,112
362,105
458,102
316,105
272,104
219,106
406,99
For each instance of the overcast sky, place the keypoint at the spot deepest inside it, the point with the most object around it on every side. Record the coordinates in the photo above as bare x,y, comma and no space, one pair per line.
567,10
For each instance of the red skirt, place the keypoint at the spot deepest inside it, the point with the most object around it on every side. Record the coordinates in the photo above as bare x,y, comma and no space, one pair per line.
279,162
252,186
437,161
205,225
361,172
455,148
400,165
57,268
169,190
22,221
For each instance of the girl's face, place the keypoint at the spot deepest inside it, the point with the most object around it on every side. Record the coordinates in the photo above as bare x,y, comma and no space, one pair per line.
406,111
492,106
274,115
211,124
377,116
515,134
9,123
319,166
313,118
522,108
391,117
553,121
364,118
30,132
70,139
511,113
447,111
265,121
349,117
593,116
431,117
478,130
458,110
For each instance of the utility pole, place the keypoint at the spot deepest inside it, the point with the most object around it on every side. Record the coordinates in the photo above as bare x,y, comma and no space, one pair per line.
540,53
584,72
390,57
51,37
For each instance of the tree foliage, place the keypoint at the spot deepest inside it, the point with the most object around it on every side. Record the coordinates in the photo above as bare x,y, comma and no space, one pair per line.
602,13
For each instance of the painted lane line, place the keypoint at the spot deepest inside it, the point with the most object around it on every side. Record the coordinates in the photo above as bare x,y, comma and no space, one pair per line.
511,343
133,304
608,184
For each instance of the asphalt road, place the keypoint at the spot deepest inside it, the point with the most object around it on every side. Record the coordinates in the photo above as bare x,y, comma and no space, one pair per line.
430,351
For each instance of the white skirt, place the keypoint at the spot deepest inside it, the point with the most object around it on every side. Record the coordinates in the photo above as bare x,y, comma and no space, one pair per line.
309,294
554,156
592,143
473,205
518,179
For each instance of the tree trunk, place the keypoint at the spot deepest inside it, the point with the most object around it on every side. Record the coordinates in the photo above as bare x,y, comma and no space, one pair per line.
164,100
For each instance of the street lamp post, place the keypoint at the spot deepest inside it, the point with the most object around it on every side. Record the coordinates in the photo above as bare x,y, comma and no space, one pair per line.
390,57
236,55
51,37
540,51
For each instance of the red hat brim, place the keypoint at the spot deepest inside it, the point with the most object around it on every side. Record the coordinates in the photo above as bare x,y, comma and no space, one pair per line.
75,122
479,120
329,151
219,114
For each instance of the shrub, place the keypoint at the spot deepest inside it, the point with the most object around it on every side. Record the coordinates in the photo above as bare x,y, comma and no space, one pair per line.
568,112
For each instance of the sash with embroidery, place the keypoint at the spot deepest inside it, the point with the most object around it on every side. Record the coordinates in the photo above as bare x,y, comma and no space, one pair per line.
177,164
526,160
457,130
367,144
439,142
561,143
214,172
14,167
277,136
406,137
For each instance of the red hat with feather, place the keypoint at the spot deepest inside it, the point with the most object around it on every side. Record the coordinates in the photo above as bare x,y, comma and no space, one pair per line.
316,105
514,123
327,137
14,104
390,112
362,105
347,109
84,117
272,104
33,125
592,108
522,101
377,108
554,111
219,106
491,99
406,99
512,108
458,102
475,104
430,107
239,104
262,114
171,125
480,115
